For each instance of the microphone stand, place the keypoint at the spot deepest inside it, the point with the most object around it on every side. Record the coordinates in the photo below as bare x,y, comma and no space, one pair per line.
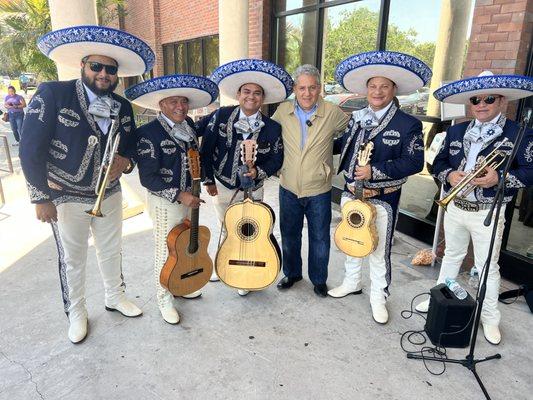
470,361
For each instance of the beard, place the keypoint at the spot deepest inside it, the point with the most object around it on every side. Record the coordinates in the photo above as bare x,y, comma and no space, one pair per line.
91,84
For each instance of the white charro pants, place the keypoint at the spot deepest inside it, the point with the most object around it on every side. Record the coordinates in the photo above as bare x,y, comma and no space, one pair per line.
72,235
377,259
165,216
222,200
459,227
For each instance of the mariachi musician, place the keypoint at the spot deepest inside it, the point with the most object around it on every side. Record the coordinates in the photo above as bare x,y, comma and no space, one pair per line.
67,129
465,145
398,153
252,83
162,160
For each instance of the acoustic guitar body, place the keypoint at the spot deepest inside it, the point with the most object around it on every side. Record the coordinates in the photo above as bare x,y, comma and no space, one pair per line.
249,257
185,272
356,234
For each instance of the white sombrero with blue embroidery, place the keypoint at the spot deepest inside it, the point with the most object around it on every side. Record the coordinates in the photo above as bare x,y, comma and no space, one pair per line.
69,45
275,81
513,87
407,72
199,90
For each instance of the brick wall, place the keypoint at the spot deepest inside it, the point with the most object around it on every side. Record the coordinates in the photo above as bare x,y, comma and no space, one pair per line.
159,22
500,38
259,28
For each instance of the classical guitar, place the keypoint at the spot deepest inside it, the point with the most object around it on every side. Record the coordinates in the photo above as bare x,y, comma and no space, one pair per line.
188,266
249,257
356,234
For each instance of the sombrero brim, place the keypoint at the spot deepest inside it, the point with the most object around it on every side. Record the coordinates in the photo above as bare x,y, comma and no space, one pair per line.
407,72
513,87
69,45
275,81
199,90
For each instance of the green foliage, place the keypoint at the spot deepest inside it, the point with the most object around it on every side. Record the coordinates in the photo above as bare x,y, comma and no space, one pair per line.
109,11
355,32
22,22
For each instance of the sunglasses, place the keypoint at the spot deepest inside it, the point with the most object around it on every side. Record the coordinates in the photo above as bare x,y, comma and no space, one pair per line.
487,99
97,67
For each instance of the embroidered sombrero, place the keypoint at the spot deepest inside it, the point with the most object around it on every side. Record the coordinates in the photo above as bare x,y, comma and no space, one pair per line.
275,81
407,72
199,90
513,87
69,45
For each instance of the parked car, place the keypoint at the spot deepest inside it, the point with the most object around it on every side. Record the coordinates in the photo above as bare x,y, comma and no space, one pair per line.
333,88
415,103
348,102
32,79
5,80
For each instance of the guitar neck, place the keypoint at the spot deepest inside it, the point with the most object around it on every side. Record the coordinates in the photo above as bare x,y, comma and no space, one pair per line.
195,217
359,190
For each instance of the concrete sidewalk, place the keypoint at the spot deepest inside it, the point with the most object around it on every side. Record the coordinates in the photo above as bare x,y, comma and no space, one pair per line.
270,344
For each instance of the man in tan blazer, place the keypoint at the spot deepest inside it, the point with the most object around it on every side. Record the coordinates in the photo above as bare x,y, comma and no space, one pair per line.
309,125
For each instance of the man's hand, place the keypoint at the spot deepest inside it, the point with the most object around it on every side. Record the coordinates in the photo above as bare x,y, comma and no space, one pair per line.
46,212
211,189
120,164
252,171
455,177
363,173
189,200
490,179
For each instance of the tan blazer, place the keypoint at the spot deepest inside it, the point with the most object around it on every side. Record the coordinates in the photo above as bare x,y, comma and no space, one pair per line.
308,171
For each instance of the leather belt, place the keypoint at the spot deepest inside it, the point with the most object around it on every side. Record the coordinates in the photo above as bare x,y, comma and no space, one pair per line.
368,193
470,206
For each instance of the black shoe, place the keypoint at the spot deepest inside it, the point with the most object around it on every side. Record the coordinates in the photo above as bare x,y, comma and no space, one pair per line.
287,282
321,290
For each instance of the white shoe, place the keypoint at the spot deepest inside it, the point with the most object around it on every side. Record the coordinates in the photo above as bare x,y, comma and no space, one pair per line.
422,307
214,276
243,292
126,308
492,333
170,314
77,330
193,295
379,313
344,290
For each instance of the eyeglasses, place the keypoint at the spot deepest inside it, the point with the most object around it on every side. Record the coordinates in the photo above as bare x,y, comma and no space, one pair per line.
97,67
490,99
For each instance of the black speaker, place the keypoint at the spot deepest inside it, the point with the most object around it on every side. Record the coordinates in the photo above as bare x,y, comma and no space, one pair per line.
449,320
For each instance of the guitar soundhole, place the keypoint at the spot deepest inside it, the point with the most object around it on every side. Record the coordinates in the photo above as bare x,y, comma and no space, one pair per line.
356,220
247,229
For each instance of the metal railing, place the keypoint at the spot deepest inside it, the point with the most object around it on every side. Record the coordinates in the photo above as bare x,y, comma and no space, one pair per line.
5,145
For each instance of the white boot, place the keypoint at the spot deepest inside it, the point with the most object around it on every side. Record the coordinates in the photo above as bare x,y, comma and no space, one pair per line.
214,277
193,295
492,333
168,311
126,308
422,307
352,280
379,313
243,292
77,330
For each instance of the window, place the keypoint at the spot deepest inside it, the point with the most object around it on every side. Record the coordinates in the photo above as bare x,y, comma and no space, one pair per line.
197,57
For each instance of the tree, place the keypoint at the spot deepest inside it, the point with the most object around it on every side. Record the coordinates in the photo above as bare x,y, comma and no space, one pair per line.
356,32
22,23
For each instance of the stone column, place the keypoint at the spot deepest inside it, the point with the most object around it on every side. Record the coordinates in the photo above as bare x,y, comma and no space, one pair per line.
450,47
233,34
71,13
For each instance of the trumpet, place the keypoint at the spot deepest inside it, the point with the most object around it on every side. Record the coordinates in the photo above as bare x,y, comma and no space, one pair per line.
103,174
493,160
